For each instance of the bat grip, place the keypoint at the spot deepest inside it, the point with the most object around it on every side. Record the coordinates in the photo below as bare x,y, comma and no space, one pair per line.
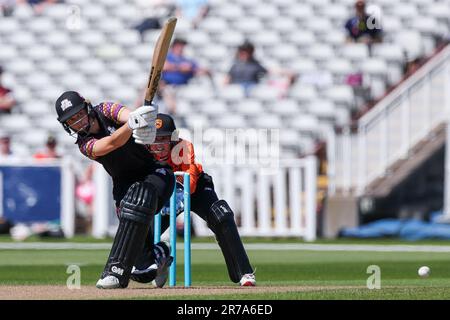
147,102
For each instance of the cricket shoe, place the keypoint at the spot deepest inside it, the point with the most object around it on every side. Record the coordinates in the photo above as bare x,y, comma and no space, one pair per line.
163,262
108,282
144,276
248,280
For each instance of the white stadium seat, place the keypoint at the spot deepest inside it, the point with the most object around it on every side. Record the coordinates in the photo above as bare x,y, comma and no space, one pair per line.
22,39
36,108
213,107
15,122
40,53
286,107
21,66
56,38
265,92
232,92
125,66
303,93
95,12
321,52
355,52
41,25
57,11
267,11
72,80
126,12
194,93
341,94
75,52
214,52
232,121
90,38
268,121
388,51
319,26
303,65
322,109
91,66
56,66
107,80
305,123
231,11
214,25
49,94
266,38
302,38
284,52
7,53
285,25
411,42
300,11
335,12
36,81
231,38
127,38
405,11
8,25
250,25
249,107
339,67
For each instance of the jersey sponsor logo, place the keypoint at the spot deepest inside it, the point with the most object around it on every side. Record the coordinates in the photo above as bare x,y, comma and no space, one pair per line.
158,123
66,103
117,270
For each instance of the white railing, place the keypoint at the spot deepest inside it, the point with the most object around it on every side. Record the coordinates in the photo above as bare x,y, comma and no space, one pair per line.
278,202
387,133
274,202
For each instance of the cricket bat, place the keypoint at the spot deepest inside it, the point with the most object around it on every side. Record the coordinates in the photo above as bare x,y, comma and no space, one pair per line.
158,59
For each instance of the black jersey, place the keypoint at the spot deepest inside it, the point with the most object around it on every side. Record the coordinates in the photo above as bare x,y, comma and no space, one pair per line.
131,162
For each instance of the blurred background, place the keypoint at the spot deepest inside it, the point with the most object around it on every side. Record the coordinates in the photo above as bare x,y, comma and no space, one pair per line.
356,94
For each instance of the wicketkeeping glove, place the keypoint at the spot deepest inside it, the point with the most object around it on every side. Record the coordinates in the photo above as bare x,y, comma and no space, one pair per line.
179,200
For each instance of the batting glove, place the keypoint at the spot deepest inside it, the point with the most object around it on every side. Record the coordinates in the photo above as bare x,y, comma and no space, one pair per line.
143,117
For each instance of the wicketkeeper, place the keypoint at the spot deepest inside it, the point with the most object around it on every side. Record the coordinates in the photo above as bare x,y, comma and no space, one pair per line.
179,154
115,137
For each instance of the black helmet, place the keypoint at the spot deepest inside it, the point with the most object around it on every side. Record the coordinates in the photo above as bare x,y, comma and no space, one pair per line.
69,104
165,125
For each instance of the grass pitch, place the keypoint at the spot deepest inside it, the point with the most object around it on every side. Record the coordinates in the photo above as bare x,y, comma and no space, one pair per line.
284,274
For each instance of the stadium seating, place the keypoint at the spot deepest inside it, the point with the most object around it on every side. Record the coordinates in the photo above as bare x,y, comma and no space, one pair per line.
106,59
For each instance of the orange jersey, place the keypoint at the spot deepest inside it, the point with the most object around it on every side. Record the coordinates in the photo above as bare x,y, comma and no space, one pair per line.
182,158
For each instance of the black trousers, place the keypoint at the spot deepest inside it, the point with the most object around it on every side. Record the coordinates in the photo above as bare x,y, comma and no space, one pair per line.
161,178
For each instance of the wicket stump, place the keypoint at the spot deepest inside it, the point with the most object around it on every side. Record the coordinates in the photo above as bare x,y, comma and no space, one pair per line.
173,232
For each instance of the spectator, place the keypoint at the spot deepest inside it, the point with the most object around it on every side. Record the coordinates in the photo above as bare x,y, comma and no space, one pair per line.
411,66
154,12
7,101
247,71
7,7
84,195
178,70
192,10
5,145
363,27
50,151
38,5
